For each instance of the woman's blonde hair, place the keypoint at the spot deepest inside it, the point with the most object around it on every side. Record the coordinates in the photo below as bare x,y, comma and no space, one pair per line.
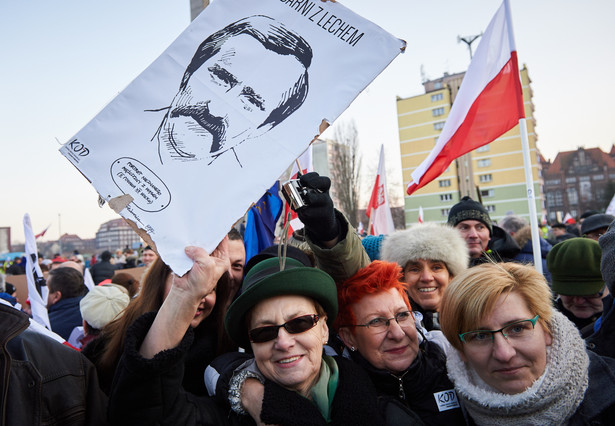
472,295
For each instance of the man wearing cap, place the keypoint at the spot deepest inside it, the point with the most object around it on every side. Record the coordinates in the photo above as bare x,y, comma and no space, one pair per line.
486,242
559,233
596,225
575,276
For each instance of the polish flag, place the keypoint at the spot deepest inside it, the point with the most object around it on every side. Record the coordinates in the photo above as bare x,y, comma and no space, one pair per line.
569,219
378,210
40,234
420,214
305,162
489,102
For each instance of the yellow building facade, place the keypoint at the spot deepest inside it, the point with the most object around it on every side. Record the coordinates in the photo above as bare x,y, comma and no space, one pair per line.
493,174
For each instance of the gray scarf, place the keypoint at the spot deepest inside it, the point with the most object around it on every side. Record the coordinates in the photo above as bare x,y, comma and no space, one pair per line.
552,399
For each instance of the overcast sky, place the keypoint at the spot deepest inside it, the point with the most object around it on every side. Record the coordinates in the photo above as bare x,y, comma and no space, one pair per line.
63,61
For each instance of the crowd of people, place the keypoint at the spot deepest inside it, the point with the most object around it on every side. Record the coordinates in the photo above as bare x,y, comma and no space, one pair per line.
437,324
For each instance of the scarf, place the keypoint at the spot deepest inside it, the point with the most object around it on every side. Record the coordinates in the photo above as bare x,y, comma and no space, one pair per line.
552,399
323,391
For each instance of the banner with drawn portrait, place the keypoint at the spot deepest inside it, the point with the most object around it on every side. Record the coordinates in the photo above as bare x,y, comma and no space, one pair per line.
206,129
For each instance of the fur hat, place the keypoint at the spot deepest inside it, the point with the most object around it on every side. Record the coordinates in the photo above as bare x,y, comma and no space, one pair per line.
468,209
429,241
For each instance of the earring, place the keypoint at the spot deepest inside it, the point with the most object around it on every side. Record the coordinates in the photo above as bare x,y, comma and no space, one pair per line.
326,341
352,348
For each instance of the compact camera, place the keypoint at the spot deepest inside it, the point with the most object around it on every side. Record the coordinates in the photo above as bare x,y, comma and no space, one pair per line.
295,194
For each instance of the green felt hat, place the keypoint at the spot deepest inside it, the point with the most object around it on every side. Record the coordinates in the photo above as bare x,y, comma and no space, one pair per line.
266,280
575,267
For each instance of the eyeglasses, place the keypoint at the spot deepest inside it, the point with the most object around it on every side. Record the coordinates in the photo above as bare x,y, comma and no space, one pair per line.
294,326
381,324
517,330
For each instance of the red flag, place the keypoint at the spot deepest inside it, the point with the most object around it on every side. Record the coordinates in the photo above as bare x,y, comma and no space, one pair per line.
489,102
378,210
420,214
42,233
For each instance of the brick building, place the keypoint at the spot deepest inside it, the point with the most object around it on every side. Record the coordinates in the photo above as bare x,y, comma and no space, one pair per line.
578,181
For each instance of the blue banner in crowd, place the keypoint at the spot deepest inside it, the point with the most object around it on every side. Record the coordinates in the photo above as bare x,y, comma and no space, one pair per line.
261,221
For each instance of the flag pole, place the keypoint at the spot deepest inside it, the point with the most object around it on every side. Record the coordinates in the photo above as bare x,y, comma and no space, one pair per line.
527,163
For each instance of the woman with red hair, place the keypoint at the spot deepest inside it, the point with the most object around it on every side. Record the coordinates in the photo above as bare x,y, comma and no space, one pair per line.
376,324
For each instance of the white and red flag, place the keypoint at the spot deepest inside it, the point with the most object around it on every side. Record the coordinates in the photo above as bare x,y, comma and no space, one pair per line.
421,214
40,234
568,219
489,102
306,164
378,210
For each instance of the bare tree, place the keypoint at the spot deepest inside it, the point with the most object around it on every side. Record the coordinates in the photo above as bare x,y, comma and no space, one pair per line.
345,163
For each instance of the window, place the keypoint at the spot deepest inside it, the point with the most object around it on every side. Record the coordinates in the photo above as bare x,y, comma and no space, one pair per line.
484,163
486,192
438,85
437,112
571,179
483,148
485,178
445,183
444,212
559,198
490,209
550,199
554,181
437,97
446,197
573,197
439,125
598,177
582,179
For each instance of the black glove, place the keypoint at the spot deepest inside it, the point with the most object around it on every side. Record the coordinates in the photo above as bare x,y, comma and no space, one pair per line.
318,215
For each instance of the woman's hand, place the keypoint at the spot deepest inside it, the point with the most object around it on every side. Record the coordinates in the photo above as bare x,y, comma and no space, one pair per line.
202,278
180,305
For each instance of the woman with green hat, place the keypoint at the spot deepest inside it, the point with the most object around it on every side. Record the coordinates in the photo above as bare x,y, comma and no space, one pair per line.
283,314
574,265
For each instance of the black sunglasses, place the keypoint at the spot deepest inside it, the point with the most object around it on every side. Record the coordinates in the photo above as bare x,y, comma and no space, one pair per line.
294,326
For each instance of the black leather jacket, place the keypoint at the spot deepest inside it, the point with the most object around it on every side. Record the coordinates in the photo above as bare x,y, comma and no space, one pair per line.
44,382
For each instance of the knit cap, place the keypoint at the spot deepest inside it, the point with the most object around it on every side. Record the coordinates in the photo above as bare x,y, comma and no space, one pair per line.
468,209
102,304
575,267
372,244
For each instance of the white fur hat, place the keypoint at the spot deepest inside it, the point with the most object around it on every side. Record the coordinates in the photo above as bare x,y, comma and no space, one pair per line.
429,241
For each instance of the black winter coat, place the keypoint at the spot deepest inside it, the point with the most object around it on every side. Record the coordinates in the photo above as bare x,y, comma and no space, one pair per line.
602,342
149,391
43,381
424,387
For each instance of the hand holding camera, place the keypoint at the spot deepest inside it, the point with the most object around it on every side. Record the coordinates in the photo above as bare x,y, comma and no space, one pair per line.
315,206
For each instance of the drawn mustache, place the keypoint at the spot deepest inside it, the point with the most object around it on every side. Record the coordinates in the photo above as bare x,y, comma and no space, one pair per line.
200,113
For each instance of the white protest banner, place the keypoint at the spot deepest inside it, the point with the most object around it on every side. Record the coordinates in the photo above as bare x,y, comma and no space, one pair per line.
198,136
37,288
